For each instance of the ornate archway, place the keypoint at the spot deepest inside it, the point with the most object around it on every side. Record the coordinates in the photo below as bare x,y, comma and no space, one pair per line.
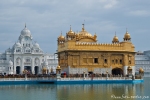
117,71
18,70
36,69
18,61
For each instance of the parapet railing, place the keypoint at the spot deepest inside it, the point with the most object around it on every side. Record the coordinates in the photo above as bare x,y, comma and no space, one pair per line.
21,79
98,78
68,78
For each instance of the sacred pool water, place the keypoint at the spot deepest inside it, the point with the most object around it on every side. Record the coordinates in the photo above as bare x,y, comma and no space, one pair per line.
77,92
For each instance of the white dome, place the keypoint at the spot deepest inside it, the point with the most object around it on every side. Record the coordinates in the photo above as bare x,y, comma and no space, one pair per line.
36,45
17,44
10,62
26,32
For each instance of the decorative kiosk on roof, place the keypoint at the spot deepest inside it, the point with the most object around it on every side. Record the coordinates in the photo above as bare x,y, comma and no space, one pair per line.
80,52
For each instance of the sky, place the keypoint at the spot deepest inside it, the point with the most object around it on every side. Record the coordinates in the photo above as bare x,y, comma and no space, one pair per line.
47,18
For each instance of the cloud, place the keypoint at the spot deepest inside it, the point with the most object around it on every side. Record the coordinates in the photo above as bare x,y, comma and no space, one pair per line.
140,13
110,4
47,18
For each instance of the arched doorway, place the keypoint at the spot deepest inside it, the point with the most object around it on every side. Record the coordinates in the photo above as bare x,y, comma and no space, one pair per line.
117,71
90,72
18,70
36,69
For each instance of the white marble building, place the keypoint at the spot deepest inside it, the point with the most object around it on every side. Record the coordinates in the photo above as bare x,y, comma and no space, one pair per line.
142,60
26,55
52,61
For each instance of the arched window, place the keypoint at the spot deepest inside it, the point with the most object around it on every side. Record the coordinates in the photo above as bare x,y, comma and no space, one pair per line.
129,61
112,61
95,60
116,61
28,60
37,50
105,61
27,50
120,61
37,61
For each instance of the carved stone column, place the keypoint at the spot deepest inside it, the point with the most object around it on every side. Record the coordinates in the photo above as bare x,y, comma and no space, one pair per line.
32,66
22,66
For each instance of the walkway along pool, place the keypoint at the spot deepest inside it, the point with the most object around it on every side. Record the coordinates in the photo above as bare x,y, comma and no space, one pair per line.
102,80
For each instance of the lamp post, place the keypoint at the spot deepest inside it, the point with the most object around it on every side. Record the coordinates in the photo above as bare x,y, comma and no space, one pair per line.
83,74
129,71
58,72
44,70
25,72
51,70
141,72
106,74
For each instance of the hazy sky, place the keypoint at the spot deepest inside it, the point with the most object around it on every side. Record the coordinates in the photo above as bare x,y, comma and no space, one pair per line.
47,18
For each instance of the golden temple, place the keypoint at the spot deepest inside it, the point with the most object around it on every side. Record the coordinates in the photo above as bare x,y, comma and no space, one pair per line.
81,50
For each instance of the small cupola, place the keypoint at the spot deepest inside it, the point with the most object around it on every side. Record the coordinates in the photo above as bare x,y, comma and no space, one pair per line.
115,39
127,36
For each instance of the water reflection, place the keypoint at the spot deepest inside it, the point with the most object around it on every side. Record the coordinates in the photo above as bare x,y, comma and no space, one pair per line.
95,91
74,92
28,92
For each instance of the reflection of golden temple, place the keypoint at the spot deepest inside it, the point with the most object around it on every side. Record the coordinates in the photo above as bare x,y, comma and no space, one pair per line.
118,90
81,50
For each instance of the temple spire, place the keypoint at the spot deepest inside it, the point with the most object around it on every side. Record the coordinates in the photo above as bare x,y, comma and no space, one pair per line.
82,27
70,27
61,33
126,30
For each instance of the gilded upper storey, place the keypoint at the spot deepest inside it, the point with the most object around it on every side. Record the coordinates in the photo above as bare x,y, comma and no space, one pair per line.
83,40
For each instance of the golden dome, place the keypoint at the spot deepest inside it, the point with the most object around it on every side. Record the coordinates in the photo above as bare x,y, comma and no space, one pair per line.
127,35
58,67
61,37
70,32
141,70
115,39
84,32
129,67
